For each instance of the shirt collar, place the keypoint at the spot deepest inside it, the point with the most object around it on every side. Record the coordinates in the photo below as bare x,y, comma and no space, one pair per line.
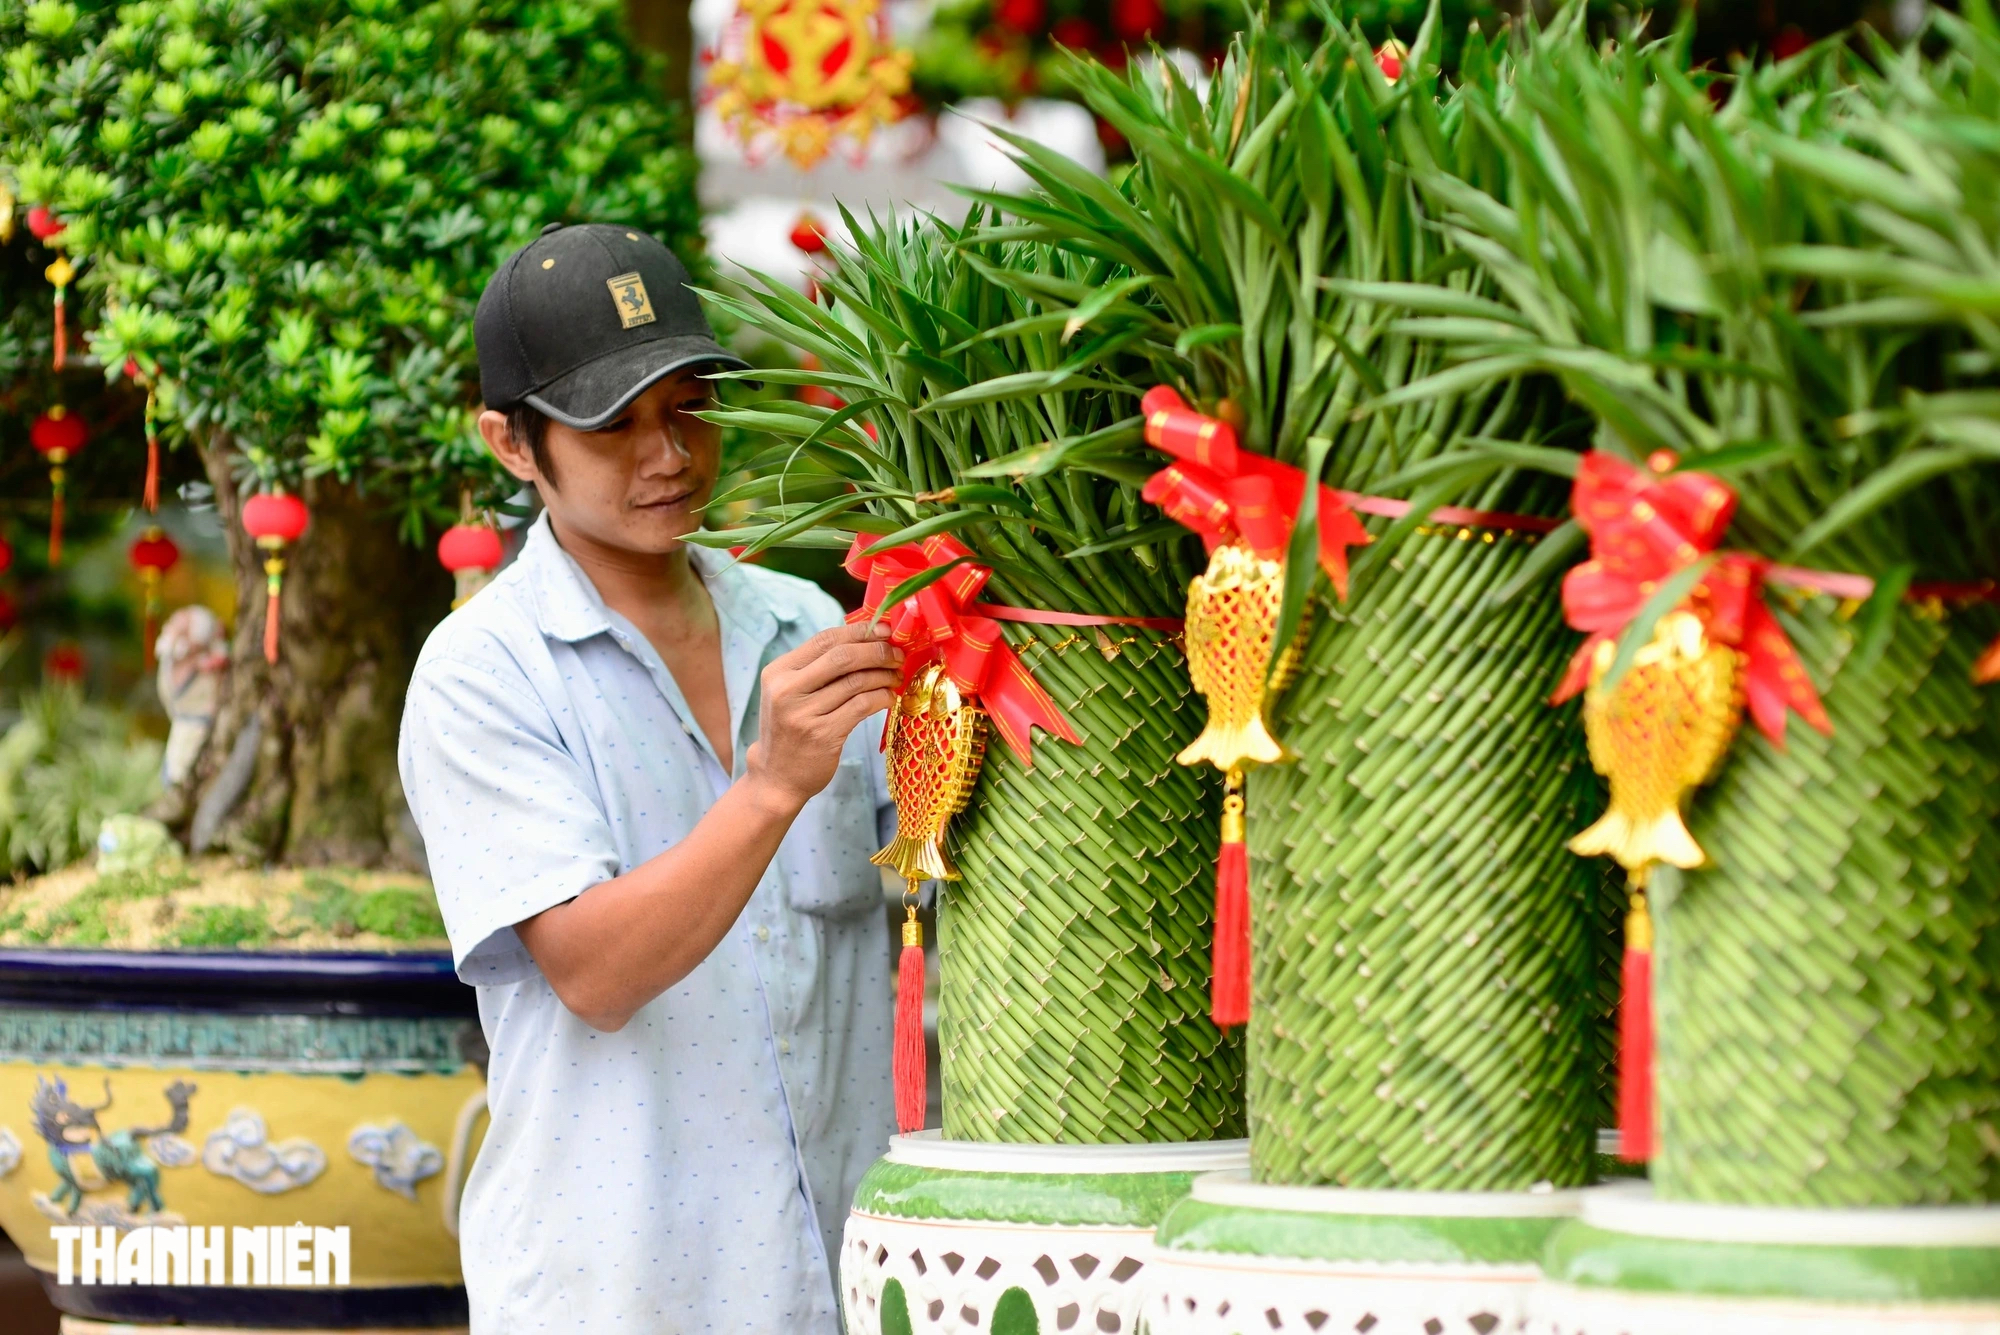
568,606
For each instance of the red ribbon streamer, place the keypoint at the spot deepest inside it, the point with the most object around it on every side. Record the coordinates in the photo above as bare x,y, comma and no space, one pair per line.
942,623
1227,494
1646,526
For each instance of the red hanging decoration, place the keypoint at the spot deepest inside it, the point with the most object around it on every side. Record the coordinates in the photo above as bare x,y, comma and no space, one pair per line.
150,495
802,76
9,613
1022,16
59,273
471,551
1390,58
1635,1038
152,554
909,1061
45,225
57,435
274,519
807,234
65,663
1986,668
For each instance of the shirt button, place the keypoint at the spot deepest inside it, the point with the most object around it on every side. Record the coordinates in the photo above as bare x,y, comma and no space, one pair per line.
763,934
785,1046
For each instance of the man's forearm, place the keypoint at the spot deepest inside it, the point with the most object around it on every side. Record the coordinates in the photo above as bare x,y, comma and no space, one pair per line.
613,949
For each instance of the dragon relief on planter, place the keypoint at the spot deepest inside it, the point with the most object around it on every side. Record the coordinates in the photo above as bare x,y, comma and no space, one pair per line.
71,1129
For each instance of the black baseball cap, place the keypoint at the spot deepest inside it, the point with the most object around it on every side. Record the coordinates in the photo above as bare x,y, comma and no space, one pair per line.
581,320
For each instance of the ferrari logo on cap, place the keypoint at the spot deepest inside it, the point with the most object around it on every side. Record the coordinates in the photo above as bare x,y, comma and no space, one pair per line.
628,293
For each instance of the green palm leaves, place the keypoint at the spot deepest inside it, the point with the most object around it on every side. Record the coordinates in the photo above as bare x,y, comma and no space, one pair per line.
1074,992
1425,1002
1780,279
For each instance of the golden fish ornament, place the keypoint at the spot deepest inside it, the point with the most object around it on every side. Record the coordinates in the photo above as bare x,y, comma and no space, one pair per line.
1232,620
936,741
1659,734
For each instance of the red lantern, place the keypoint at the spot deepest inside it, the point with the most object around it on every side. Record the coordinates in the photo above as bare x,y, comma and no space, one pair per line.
6,556
153,554
274,519
57,436
1078,34
43,223
1023,16
1134,20
471,552
807,236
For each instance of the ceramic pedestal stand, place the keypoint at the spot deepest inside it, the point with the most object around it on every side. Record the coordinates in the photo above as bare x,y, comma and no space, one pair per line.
964,1236
1239,1257
1632,1265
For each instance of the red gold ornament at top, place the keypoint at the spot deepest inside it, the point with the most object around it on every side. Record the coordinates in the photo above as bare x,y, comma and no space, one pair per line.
1390,57
803,74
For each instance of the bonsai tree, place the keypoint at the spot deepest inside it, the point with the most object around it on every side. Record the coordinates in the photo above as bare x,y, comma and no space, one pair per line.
286,209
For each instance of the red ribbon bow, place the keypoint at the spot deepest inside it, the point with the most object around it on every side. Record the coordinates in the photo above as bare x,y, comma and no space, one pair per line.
1228,494
939,624
1644,527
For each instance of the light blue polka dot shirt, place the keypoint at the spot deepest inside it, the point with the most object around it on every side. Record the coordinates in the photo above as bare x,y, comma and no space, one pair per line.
692,1171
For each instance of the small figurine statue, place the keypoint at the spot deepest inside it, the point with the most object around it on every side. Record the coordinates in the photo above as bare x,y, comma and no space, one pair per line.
192,652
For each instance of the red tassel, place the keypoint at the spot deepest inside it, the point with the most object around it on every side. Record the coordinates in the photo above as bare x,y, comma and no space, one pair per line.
1635,1038
151,497
912,1077
150,623
62,333
56,524
1229,994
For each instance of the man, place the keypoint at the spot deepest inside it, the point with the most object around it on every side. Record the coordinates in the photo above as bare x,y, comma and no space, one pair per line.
648,798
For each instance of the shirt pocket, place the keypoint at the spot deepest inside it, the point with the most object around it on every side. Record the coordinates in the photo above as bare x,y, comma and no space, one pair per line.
836,833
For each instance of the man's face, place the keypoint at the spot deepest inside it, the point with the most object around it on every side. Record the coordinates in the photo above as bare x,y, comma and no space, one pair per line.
641,483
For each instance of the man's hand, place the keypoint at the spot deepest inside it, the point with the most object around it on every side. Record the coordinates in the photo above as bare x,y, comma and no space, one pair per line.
812,699
613,949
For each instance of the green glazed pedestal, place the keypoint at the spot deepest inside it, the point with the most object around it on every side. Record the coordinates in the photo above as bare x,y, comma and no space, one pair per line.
1244,1258
1011,1239
1633,1265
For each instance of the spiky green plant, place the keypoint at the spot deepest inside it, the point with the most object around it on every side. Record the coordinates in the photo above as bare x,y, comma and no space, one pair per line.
1793,291
1426,1003
1074,951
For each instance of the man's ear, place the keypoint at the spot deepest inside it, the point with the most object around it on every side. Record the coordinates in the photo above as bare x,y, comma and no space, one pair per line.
514,456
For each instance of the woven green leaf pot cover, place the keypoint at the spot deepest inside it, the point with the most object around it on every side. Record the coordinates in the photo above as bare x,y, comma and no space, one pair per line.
1828,993
1633,1265
1425,1009
1073,999
1011,1239
1244,1258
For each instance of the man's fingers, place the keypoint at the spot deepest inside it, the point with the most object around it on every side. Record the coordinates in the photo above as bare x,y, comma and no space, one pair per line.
843,659
848,717
839,691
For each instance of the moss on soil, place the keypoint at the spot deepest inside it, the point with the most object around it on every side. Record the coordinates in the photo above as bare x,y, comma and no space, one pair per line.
214,904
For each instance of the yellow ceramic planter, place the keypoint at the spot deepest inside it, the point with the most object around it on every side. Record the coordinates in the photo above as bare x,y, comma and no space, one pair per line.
243,1092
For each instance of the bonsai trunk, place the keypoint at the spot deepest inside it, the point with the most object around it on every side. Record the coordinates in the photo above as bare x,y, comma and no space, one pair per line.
301,764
